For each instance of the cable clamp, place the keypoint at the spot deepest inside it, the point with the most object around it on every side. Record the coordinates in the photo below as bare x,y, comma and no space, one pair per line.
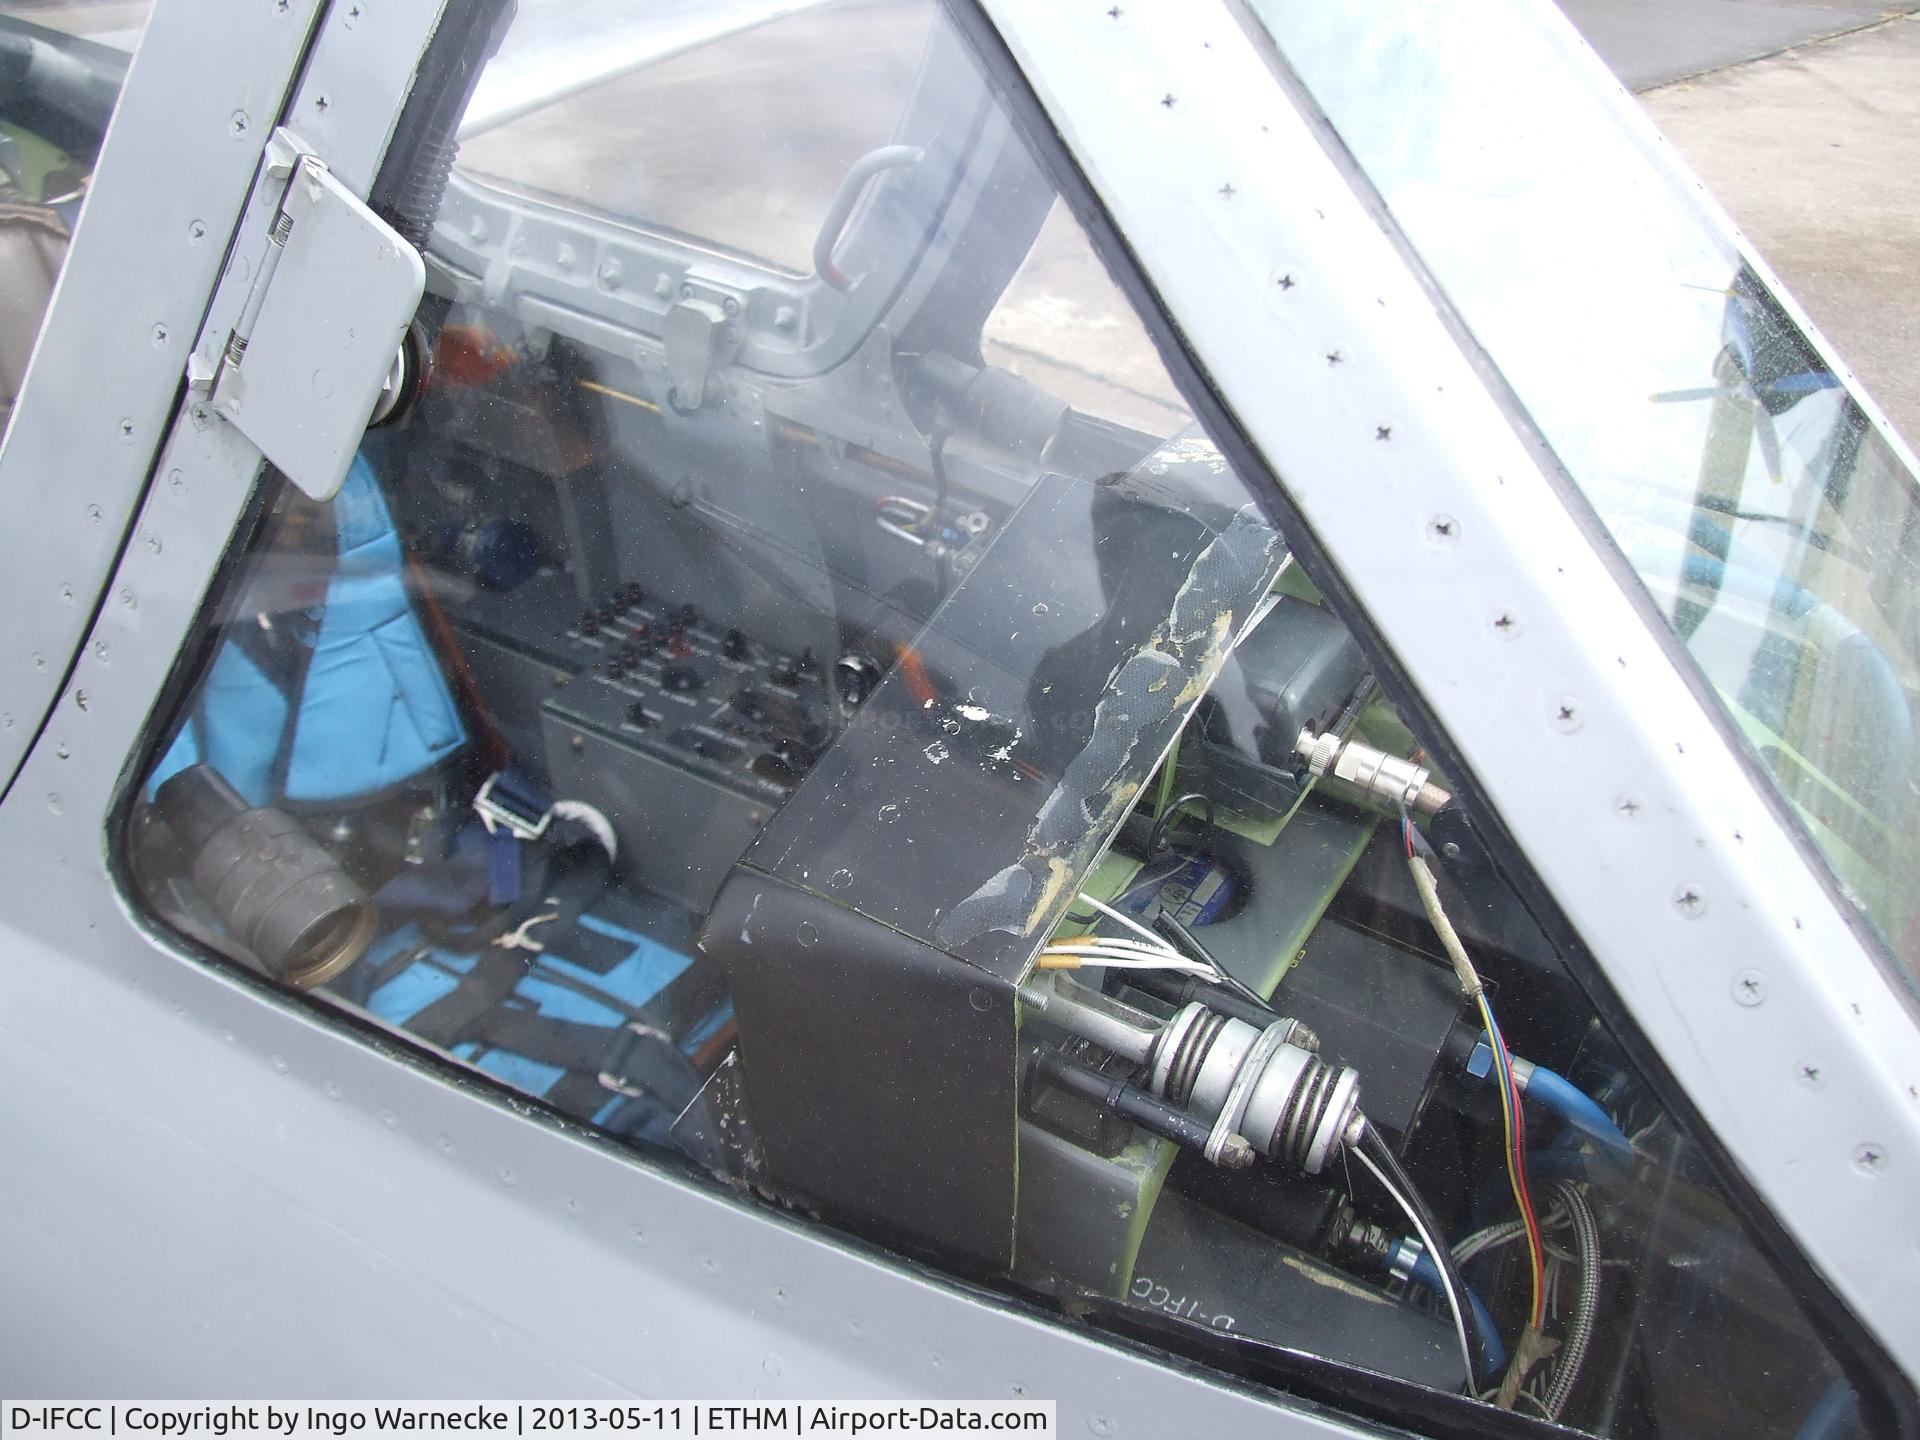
1405,1256
509,801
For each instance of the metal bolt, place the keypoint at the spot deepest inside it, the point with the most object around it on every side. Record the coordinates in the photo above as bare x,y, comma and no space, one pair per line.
1811,1075
1167,102
160,334
281,7
126,429
323,103
1334,357
1442,529
1506,624
1227,192
354,12
202,417
1871,1158
1749,987
1690,901
100,651
196,232
1285,282
1451,850
176,482
730,305
238,124
1383,432
1627,807
1567,716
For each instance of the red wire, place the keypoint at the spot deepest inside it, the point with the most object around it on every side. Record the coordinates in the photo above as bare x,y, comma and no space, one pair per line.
1537,1246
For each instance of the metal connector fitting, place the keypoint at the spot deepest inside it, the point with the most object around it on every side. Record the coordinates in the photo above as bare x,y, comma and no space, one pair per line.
1385,779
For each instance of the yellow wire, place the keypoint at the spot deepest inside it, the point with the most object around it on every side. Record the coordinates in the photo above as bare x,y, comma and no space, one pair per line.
1534,1259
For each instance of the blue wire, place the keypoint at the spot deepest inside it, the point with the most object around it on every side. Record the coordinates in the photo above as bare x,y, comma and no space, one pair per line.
1493,1354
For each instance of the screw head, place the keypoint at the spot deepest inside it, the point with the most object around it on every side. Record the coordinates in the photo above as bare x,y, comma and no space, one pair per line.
1443,530
1810,1074
1749,988
238,124
196,231
1690,901
1628,807
159,335
1507,625
323,102
1567,715
1871,1158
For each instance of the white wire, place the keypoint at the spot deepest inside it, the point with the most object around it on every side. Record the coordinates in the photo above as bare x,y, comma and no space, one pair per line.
1134,925
1091,957
1120,942
1433,1249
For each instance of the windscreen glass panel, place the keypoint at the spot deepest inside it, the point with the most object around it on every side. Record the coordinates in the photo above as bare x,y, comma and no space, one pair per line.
1773,521
734,131
859,738
62,63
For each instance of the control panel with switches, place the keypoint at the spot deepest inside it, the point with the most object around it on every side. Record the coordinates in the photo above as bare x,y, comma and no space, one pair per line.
687,732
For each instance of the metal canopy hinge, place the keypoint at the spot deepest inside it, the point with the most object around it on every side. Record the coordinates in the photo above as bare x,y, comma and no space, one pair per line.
324,316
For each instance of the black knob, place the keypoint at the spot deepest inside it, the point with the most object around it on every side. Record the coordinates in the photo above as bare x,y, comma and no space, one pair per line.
682,675
856,676
638,717
735,645
793,752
